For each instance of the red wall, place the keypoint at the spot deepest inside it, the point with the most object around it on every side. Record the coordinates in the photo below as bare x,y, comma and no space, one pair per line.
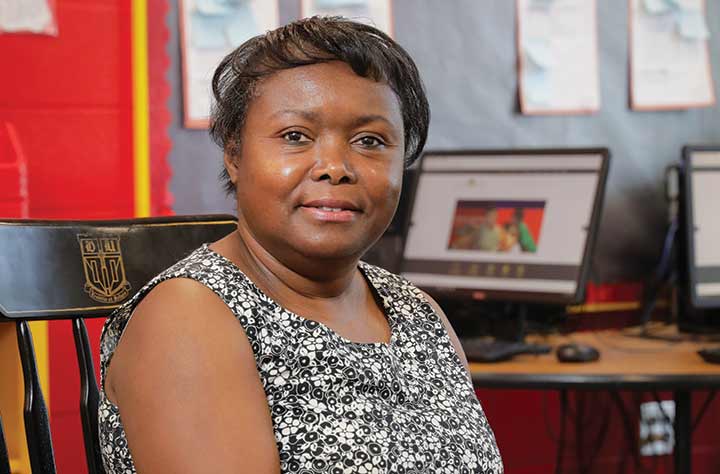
70,100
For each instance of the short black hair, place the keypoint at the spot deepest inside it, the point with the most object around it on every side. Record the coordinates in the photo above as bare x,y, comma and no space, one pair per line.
367,50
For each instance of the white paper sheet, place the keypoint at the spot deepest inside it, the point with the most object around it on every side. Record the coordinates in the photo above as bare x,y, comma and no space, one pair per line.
373,12
557,42
670,62
211,30
27,16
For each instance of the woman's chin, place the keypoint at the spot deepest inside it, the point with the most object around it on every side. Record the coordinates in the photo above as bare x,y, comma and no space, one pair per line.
332,250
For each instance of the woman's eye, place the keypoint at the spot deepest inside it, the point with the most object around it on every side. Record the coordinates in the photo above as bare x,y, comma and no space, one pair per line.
295,137
370,142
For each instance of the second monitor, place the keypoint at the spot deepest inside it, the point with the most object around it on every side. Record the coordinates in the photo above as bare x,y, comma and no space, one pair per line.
515,225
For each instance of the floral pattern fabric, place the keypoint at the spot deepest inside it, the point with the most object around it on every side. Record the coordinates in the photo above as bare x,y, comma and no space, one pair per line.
338,406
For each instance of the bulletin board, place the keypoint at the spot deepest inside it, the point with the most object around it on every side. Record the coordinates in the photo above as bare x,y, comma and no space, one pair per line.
374,12
209,30
467,56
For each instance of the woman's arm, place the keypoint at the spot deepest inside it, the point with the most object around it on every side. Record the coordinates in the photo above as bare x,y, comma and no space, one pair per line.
185,381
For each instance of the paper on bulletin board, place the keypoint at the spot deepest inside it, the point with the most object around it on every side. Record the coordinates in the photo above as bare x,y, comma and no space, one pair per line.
209,30
377,13
28,16
557,57
669,55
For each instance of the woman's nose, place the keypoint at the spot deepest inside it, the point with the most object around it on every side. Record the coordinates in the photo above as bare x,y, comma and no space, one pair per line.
333,163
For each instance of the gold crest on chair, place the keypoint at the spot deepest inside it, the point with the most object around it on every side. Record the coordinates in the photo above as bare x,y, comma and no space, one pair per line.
105,279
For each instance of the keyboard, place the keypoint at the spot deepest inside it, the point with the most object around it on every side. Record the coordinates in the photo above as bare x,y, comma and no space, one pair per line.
484,350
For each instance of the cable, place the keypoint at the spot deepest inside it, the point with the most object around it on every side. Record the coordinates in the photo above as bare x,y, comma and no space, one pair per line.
629,432
599,441
548,428
561,439
601,436
664,273
580,410
646,332
664,414
604,340
673,338
701,413
698,418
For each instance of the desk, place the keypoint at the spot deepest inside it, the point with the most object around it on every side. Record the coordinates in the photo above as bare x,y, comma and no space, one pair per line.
626,363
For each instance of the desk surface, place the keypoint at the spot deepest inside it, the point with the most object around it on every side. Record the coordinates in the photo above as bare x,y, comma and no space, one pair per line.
626,362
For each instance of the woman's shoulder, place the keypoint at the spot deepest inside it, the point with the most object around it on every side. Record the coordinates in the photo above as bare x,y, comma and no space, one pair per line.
185,284
385,278
185,266
399,290
202,266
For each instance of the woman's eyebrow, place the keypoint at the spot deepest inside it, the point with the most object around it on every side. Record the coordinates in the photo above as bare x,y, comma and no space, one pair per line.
365,119
306,114
310,115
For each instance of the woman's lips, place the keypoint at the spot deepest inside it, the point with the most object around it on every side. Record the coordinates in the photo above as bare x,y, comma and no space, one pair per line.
331,215
331,210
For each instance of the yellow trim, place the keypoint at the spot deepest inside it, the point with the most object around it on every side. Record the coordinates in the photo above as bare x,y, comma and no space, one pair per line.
11,400
175,224
612,306
41,342
141,108
603,307
63,310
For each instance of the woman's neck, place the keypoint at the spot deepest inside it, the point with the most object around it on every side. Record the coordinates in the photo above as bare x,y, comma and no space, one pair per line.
298,277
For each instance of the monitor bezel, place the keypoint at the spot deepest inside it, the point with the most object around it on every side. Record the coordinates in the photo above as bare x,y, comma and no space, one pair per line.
696,300
513,295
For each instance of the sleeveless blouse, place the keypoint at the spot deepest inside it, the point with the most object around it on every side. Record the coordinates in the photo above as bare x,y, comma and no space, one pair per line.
338,406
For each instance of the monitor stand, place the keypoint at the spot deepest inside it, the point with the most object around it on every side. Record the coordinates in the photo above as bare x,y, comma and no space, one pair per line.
692,320
508,329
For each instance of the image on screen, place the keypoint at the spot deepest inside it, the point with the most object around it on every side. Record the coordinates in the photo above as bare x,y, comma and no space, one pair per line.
497,226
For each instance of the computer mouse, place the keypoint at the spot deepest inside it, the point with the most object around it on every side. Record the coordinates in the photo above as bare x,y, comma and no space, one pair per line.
710,354
575,352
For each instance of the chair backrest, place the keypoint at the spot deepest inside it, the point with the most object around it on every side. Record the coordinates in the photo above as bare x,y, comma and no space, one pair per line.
78,269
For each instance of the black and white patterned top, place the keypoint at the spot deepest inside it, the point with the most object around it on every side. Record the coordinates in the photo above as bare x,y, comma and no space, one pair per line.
338,406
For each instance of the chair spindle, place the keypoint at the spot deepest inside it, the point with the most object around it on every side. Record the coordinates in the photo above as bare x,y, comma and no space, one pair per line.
89,397
37,426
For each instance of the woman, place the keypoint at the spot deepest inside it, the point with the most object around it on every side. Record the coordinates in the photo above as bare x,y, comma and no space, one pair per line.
336,365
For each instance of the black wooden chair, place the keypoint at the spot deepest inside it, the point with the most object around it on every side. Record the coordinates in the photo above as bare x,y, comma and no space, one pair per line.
78,269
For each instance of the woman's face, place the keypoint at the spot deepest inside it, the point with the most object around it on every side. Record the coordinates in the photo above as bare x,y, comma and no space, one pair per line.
320,165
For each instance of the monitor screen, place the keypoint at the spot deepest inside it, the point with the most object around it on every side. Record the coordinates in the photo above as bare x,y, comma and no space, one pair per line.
506,225
703,173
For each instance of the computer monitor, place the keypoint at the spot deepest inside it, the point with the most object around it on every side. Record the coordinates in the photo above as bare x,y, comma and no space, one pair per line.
701,207
511,225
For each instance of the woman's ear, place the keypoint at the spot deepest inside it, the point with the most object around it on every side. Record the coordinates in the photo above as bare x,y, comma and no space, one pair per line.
231,166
